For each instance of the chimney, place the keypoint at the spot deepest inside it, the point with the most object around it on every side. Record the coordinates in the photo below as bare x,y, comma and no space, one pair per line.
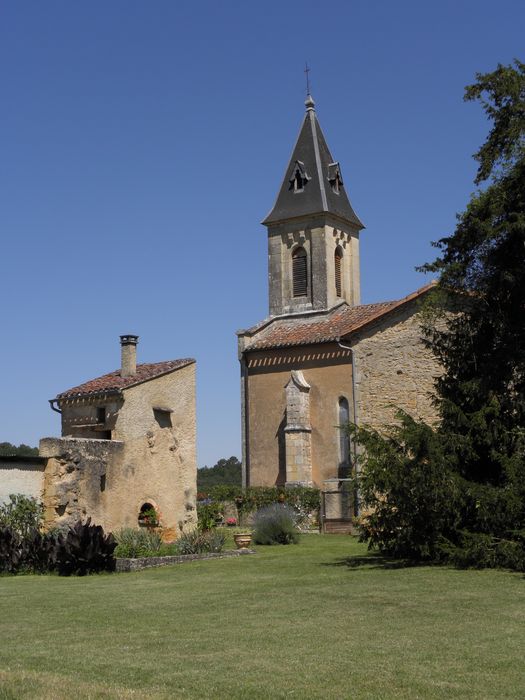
128,347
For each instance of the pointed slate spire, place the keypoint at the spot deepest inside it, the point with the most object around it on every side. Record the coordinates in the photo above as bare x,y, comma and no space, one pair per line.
313,182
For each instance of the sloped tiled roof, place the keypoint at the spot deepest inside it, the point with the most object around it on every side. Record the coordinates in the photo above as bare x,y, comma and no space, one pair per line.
114,382
320,327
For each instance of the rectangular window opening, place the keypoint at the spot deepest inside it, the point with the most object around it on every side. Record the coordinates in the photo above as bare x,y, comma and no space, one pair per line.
163,417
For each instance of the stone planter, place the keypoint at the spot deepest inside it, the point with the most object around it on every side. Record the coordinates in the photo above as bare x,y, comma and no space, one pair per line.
243,540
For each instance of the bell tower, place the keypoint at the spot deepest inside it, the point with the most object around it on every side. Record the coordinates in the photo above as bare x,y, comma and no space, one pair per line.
313,232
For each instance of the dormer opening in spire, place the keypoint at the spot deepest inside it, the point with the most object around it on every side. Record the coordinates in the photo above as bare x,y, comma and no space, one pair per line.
300,177
334,177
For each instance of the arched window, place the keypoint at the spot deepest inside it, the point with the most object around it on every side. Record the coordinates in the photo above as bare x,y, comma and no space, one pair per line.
344,438
299,272
338,260
148,515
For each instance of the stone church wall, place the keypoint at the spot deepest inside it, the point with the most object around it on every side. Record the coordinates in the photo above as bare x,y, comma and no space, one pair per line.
394,370
327,369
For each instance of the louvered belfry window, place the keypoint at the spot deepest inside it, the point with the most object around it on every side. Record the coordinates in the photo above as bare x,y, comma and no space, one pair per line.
338,259
299,272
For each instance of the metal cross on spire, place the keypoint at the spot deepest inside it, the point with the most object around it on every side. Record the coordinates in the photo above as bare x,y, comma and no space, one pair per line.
307,71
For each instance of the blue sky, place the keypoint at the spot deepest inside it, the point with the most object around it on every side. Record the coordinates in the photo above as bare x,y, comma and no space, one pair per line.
141,144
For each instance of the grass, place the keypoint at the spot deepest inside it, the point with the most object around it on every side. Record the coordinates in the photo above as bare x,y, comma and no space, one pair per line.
289,622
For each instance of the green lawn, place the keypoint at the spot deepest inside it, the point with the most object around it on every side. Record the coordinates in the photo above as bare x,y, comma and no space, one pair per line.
292,621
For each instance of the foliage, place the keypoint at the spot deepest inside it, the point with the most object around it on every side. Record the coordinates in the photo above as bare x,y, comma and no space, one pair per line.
275,524
198,542
502,96
10,551
9,450
225,472
303,499
23,546
407,489
149,516
479,550
22,514
133,543
85,549
208,514
467,476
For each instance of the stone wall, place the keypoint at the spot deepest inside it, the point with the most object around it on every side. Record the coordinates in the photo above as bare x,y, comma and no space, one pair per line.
21,475
327,369
150,458
159,464
394,370
319,236
75,479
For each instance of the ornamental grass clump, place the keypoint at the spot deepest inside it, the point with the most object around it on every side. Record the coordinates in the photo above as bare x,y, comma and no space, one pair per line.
200,542
275,524
133,543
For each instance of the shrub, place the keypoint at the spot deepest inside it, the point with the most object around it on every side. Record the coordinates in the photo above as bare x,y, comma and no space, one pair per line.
10,551
132,543
303,499
481,550
208,515
22,514
199,542
275,524
85,549
33,552
410,497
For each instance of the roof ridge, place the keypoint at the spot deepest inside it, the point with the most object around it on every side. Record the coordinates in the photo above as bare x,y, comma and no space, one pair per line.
327,328
114,382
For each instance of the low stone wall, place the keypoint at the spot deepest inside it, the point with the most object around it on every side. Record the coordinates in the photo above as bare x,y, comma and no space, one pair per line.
148,562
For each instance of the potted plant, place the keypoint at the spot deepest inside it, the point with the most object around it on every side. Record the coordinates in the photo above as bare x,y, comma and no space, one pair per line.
149,518
243,539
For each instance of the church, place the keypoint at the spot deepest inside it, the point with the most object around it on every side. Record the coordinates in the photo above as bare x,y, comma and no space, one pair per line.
321,358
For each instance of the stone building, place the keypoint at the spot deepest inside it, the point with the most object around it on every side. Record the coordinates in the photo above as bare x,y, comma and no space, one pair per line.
128,444
321,358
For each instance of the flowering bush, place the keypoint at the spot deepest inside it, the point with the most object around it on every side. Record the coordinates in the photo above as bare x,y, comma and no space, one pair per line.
275,524
231,522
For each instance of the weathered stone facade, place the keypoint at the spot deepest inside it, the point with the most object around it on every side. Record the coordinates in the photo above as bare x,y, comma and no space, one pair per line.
320,237
148,456
75,479
393,369
128,443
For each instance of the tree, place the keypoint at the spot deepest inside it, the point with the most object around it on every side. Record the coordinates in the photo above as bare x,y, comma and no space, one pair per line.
225,472
9,450
481,396
480,442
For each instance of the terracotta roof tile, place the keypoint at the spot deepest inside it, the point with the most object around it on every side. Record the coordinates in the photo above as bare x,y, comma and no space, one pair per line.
320,327
114,382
